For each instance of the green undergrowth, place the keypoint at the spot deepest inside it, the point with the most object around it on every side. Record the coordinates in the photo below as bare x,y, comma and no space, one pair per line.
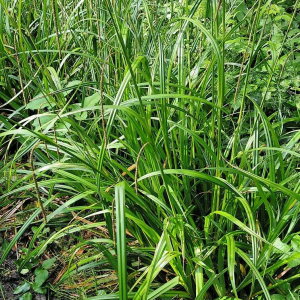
150,149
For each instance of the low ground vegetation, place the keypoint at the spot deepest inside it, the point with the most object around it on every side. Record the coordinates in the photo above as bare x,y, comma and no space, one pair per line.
149,149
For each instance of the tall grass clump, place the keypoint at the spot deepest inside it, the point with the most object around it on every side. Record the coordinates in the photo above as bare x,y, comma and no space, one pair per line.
152,147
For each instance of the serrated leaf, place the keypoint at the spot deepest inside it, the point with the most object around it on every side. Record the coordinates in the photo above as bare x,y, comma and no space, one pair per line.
296,243
54,77
39,289
294,263
40,101
41,276
92,100
47,264
236,104
279,245
42,120
46,230
27,296
70,85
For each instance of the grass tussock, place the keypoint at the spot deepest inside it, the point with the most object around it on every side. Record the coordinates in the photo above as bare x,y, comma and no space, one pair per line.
150,149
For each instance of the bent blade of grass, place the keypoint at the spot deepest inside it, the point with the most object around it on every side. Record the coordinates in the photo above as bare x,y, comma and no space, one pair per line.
261,281
164,288
239,224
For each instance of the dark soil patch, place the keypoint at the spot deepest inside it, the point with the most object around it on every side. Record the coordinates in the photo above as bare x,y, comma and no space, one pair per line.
10,279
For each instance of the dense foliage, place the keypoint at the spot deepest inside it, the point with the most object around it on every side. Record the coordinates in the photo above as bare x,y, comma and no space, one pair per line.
150,149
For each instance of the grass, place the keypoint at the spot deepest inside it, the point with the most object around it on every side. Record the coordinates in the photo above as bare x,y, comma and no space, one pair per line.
152,147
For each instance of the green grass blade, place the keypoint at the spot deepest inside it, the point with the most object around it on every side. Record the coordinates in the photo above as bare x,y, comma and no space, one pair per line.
121,239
